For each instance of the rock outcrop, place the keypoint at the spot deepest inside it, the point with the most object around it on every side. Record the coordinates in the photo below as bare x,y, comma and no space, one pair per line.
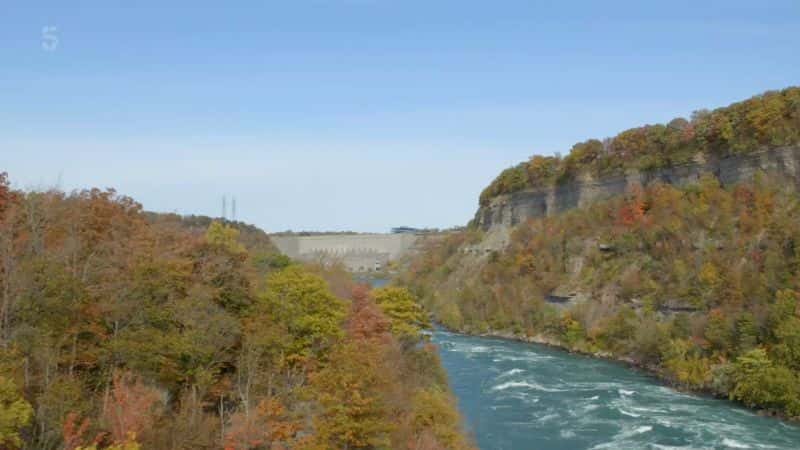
510,209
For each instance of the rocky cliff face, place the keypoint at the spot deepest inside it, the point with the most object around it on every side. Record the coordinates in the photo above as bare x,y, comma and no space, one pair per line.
510,209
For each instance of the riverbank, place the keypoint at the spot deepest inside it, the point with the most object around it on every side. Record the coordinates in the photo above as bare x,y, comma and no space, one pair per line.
516,394
648,369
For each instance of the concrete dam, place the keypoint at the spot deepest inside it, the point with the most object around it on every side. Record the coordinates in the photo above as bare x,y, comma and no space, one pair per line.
358,252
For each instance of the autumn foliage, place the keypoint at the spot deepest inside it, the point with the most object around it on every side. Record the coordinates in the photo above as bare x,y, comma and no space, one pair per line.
127,330
632,210
699,282
366,321
130,408
769,120
269,426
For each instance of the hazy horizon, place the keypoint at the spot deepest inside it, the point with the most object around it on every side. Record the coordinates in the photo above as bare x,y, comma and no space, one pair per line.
356,114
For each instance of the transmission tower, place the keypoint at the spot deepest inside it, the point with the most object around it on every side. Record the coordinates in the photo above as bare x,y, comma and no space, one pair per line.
233,209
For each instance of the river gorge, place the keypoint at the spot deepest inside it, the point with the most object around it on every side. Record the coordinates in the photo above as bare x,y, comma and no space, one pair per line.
521,396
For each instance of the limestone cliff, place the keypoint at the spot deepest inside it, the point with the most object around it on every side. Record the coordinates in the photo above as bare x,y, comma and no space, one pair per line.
510,209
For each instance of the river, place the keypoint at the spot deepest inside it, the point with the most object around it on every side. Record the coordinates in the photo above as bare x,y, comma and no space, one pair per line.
522,396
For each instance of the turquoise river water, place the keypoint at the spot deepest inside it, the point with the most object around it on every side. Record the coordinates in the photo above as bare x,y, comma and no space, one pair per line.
522,396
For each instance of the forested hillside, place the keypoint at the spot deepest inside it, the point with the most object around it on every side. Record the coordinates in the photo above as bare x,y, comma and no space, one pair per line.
699,283
252,237
769,120
124,330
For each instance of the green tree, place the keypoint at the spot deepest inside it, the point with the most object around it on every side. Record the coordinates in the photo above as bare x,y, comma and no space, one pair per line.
718,331
542,169
685,364
785,306
402,308
746,332
787,349
622,327
758,382
15,413
572,331
301,301
225,236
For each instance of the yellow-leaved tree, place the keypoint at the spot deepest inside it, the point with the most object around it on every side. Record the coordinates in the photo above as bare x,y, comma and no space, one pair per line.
401,307
224,236
15,413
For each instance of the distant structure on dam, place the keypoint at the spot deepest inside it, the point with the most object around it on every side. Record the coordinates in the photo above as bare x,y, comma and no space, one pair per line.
358,252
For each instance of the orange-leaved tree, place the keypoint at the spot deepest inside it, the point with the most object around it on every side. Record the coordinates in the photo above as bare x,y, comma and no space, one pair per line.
269,426
130,408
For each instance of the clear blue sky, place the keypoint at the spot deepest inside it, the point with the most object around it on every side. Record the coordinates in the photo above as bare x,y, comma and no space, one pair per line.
356,114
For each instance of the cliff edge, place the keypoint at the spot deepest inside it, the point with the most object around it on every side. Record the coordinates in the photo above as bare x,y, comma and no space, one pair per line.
507,210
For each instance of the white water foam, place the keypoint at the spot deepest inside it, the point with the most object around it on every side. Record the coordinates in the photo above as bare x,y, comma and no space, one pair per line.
630,414
528,357
623,439
525,384
510,372
732,443
548,417
471,348
643,409
642,413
